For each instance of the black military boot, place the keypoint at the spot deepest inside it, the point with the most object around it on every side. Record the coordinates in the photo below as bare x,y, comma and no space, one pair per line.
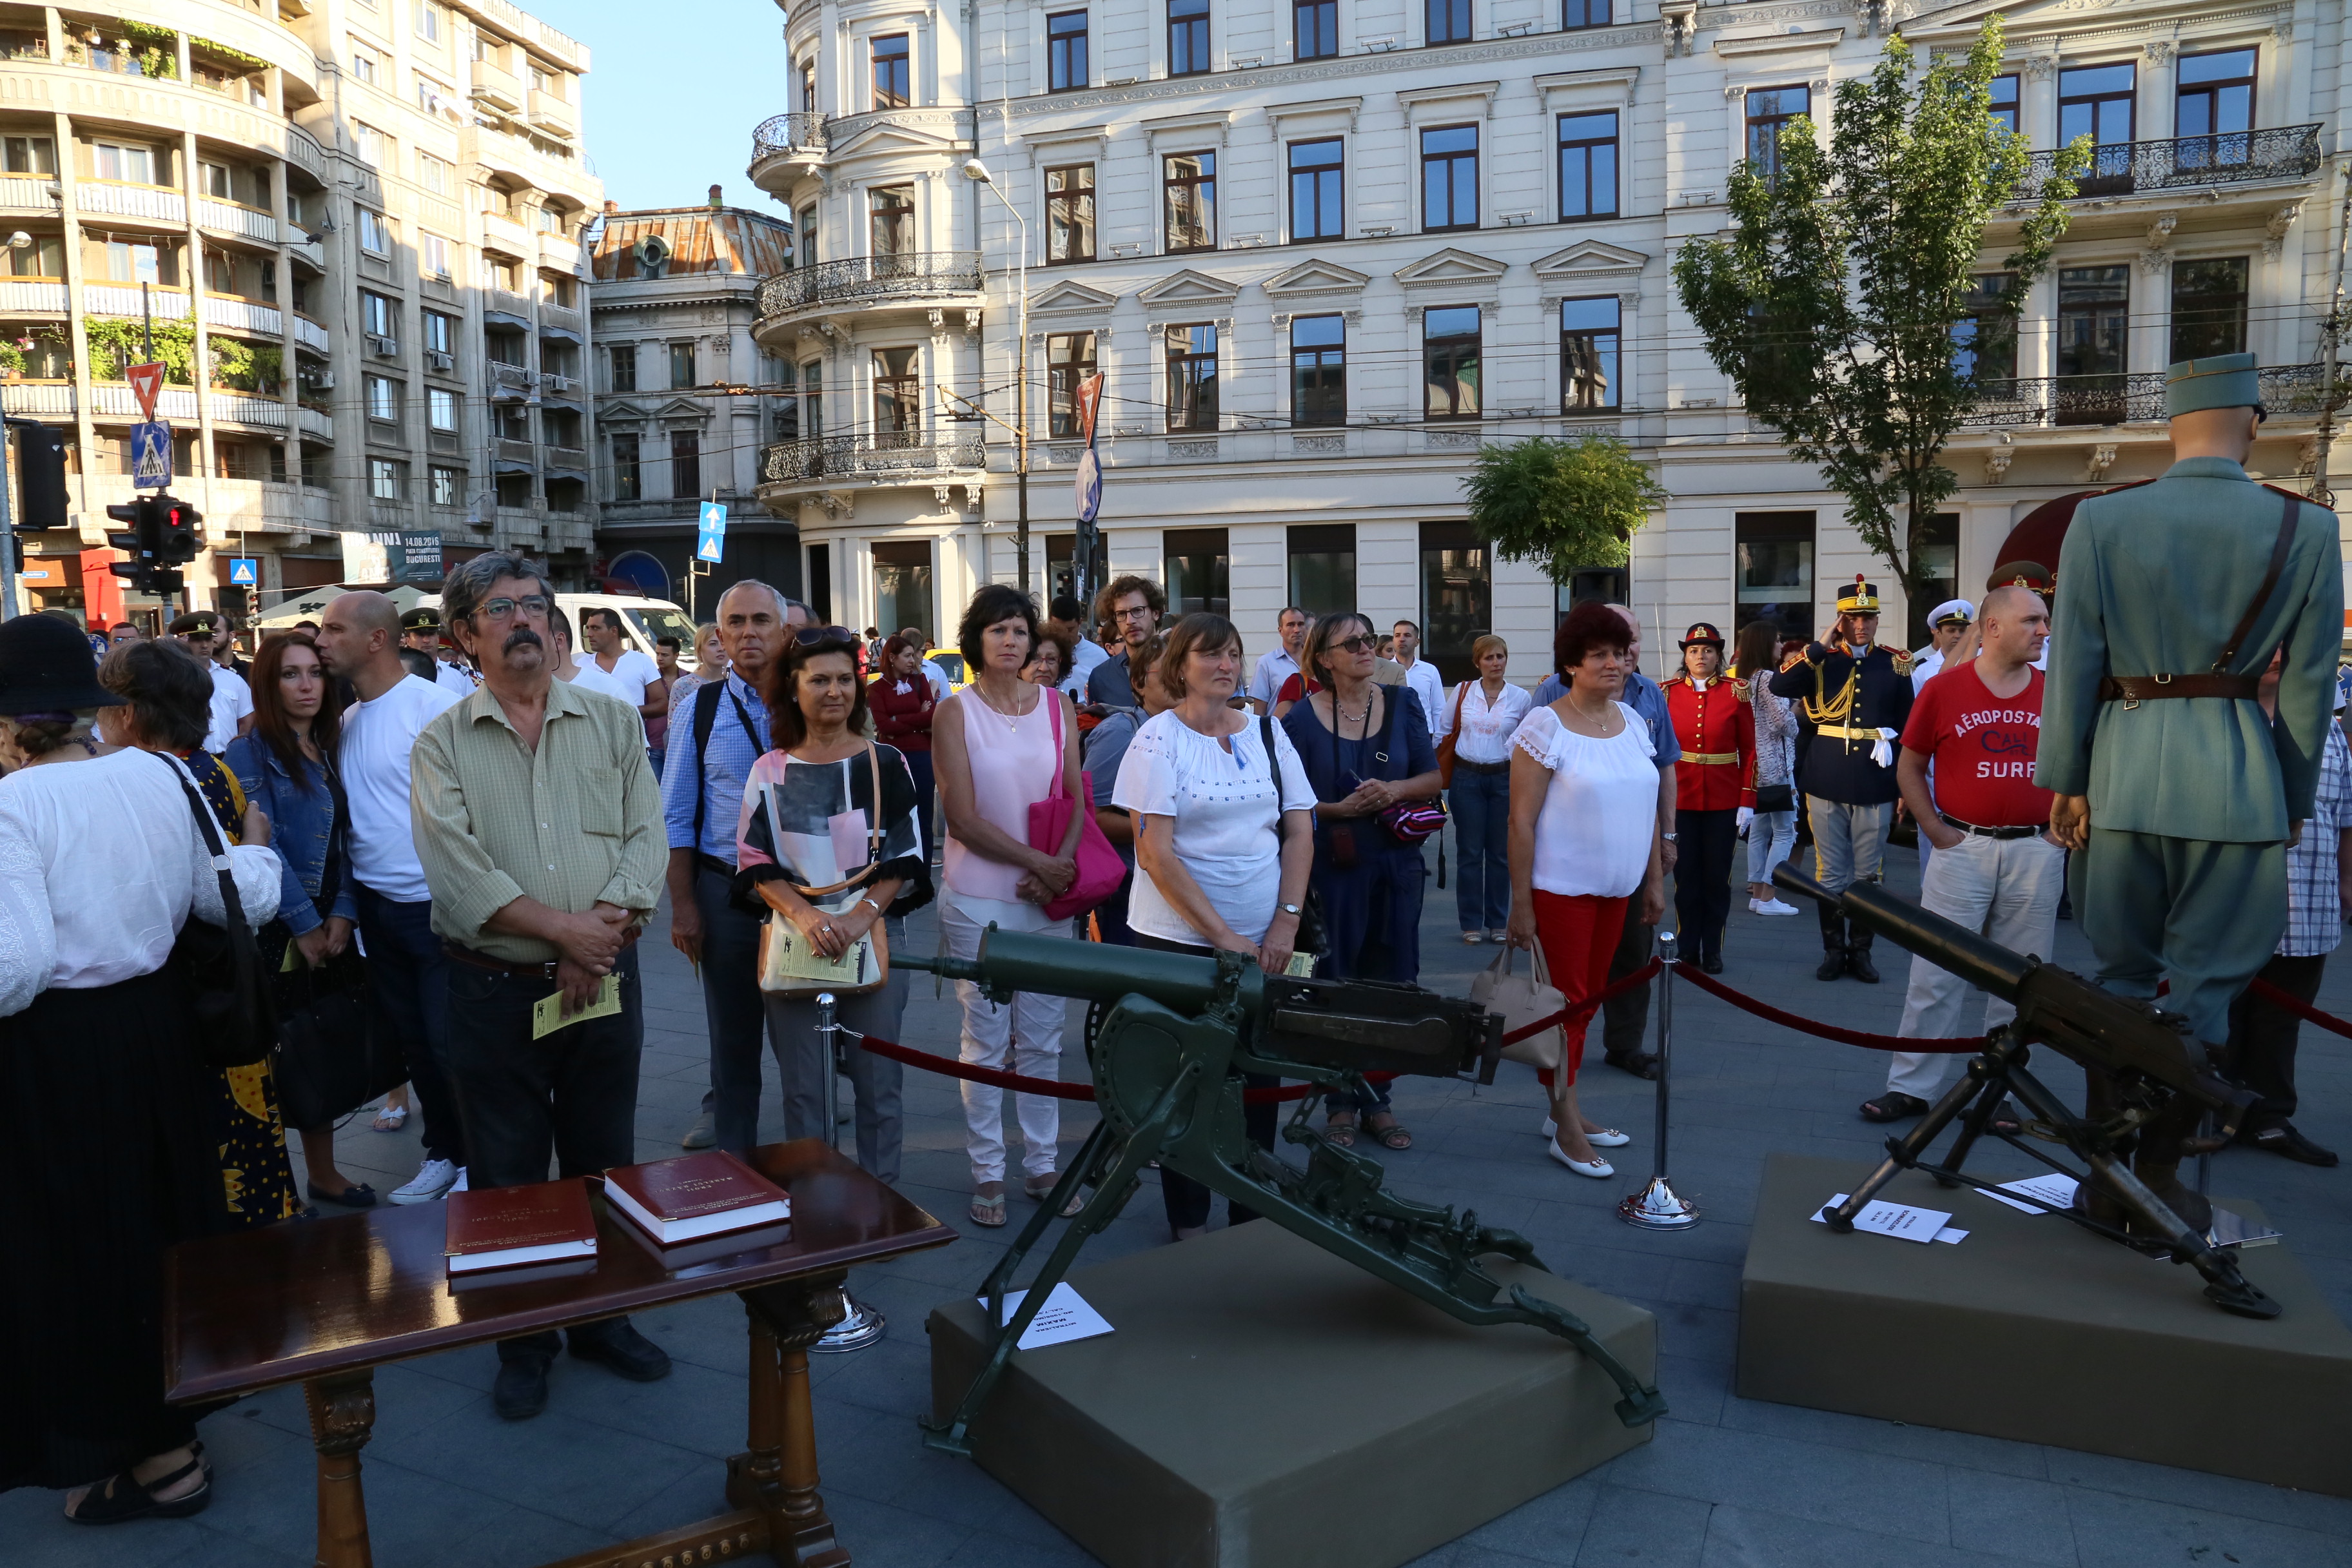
1833,953
1858,939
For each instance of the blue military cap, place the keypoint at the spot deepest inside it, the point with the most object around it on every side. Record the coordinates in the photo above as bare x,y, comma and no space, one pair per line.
2223,381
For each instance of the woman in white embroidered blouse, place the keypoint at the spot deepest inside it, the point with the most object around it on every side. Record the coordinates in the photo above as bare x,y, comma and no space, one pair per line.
1482,715
1586,800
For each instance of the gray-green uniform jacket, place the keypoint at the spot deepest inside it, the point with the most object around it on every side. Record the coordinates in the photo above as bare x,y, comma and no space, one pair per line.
2151,580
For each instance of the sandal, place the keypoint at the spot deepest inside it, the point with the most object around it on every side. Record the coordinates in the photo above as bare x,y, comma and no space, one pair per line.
989,1210
1393,1136
1042,1188
390,1119
123,1497
1341,1129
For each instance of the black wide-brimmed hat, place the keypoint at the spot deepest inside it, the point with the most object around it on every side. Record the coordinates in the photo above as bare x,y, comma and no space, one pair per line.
46,666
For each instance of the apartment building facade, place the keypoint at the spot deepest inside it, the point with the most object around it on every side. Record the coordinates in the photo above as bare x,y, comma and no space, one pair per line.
351,230
1322,252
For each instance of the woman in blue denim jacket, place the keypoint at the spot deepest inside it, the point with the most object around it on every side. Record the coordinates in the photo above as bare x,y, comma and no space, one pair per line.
286,768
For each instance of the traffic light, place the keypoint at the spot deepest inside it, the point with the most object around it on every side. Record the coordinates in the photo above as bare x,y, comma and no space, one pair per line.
162,534
180,529
41,477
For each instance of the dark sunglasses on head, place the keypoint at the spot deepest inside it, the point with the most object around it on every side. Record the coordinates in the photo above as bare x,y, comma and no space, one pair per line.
824,634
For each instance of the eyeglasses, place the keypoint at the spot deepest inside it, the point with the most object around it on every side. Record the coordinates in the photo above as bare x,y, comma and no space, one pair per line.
824,634
1358,643
535,605
1140,613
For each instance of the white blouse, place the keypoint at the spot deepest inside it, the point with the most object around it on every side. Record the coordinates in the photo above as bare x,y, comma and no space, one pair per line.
1228,813
101,866
1601,809
1486,727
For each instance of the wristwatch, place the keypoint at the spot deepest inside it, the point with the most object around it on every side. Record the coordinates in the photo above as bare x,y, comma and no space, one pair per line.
1288,909
1667,837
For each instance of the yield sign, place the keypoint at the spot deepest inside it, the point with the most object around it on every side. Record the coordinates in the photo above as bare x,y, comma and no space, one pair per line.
145,381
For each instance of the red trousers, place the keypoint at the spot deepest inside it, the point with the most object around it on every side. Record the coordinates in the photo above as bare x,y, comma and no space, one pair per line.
1579,932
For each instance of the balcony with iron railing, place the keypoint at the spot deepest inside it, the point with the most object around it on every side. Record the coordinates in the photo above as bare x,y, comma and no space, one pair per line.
2288,391
866,282
800,132
910,457
2185,163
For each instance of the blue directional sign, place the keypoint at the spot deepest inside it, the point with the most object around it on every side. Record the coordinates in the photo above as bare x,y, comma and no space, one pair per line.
244,572
711,540
150,456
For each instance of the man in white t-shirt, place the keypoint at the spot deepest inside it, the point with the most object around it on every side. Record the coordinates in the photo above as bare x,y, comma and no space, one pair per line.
359,638
589,675
232,712
1278,663
1420,677
632,669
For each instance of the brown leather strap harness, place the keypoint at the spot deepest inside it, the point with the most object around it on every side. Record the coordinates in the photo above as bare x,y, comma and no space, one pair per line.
2132,690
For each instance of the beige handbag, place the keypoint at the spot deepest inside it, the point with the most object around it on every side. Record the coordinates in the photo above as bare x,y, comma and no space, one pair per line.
1522,999
788,966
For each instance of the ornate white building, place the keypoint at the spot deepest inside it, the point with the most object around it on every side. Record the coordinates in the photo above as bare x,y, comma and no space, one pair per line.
1322,251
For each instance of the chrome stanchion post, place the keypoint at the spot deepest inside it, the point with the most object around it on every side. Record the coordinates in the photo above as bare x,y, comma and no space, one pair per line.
1656,1207
860,1324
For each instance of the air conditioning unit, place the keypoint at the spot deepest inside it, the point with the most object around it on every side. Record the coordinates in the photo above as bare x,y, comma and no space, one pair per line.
383,348
435,359
318,379
558,383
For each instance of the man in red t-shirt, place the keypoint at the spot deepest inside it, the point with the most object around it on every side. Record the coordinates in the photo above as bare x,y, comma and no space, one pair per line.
1995,869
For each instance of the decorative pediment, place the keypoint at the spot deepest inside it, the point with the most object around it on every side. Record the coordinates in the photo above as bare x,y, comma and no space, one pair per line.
1816,40
683,409
1315,277
1069,294
1452,268
1590,261
1188,288
894,132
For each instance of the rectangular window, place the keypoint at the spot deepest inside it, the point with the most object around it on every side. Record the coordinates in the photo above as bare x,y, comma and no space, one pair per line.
1936,557
133,166
382,398
368,143
363,65
1070,213
439,332
2005,101
1588,354
1448,21
2209,307
375,235
622,359
1188,180
1192,377
2094,334
1584,13
2216,105
433,174
1773,577
685,464
627,469
902,582
890,227
378,315
1457,596
1316,175
898,395
1069,360
2097,101
1449,178
1197,567
681,364
433,255
1451,375
45,258
1065,51
1188,37
220,273
213,180
383,479
441,408
819,579
804,237
892,72
428,21
1587,165
1318,370
813,398
1770,109
1315,29
1322,577
28,154
1984,340
448,487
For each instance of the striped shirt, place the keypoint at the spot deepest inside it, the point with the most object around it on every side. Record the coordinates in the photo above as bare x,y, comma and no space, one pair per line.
2314,916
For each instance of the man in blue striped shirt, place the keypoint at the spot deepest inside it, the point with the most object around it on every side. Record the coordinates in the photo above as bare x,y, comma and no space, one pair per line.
702,795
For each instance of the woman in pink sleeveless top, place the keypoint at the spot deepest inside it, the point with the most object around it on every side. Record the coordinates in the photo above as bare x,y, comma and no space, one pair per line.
995,748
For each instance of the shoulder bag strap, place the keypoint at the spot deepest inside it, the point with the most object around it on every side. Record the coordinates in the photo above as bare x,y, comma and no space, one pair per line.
2285,541
1046,695
705,716
873,833
209,835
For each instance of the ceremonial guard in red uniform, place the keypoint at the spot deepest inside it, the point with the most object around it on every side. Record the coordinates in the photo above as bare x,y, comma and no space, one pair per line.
1715,790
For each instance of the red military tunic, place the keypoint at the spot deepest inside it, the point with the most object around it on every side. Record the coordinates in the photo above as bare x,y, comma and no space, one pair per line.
1716,728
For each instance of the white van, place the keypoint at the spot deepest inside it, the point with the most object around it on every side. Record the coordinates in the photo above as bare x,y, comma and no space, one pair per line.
642,620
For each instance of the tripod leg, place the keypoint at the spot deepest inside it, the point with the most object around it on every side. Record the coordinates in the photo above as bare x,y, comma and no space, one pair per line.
1903,1153
1994,1090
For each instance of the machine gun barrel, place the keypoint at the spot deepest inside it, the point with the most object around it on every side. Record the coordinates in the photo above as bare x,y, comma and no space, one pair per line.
1011,961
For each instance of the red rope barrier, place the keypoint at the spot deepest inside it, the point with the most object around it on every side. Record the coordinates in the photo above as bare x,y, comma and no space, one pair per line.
1717,989
2301,1009
1591,1004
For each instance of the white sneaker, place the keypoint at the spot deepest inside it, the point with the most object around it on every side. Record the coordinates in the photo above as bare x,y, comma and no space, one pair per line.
434,1179
1608,1138
459,1185
1771,907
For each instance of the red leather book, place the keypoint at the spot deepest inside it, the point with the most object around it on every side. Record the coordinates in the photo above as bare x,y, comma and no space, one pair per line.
506,1228
696,1195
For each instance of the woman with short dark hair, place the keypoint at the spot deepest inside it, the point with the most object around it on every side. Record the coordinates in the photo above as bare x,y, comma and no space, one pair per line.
899,696
998,747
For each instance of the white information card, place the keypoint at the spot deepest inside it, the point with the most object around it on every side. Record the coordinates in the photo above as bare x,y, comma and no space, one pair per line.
1900,1220
1065,1317
2053,1187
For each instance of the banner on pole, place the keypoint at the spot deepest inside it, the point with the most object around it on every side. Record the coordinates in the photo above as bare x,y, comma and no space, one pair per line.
392,556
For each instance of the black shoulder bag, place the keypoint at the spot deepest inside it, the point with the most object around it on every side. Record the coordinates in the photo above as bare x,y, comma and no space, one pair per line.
230,1012
335,1051
1310,919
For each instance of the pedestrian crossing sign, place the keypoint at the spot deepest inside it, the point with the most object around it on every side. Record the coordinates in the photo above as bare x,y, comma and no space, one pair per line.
244,572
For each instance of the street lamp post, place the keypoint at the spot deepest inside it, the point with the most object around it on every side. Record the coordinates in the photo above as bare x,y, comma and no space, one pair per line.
977,171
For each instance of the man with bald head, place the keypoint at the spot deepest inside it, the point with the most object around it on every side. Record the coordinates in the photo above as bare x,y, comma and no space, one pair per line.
1996,869
359,639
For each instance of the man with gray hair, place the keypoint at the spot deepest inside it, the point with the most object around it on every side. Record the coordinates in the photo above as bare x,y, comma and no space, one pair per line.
539,825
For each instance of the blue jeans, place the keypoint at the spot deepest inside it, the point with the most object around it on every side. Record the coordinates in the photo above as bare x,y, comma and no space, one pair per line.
1771,835
1481,802
410,976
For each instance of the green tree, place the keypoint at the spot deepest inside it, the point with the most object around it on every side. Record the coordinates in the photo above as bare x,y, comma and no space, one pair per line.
1833,305
1564,505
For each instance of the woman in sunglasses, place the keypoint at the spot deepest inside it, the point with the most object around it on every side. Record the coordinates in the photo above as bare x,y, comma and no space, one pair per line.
1366,750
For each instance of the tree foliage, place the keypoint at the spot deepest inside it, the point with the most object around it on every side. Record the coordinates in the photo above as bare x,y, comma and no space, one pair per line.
1565,505
1831,308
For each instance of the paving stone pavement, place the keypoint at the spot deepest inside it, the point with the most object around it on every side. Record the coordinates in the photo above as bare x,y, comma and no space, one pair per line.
1726,1481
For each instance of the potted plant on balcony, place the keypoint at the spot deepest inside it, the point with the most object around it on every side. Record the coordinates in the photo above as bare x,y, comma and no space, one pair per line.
12,361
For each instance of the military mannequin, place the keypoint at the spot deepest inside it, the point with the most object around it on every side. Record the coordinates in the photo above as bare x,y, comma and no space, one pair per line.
2178,796
1853,695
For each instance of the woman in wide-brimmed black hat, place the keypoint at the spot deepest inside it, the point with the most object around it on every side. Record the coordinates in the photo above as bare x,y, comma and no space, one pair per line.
103,1100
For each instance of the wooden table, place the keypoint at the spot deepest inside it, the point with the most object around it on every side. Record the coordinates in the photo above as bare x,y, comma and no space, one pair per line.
323,1303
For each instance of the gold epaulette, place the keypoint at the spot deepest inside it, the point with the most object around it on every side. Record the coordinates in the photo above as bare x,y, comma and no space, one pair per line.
1738,687
1902,657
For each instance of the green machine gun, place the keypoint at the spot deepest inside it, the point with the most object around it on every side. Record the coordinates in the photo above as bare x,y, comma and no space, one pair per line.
1175,1038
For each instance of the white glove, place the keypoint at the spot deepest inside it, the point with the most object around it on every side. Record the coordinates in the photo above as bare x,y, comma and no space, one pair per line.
1747,815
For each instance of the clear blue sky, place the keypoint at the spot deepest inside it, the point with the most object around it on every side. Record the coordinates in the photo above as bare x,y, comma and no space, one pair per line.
673,92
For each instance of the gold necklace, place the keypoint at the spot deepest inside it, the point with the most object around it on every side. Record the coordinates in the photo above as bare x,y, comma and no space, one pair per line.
1012,719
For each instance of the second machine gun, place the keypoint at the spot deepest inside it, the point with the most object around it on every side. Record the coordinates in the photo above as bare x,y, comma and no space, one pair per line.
1177,1036
2134,1057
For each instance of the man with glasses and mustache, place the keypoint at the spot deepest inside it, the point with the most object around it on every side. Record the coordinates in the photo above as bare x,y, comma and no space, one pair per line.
359,641
539,825
1135,605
